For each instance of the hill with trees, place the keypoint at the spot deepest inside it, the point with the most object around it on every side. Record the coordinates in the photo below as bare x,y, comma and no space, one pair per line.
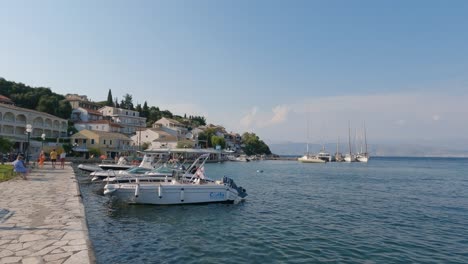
44,100
37,98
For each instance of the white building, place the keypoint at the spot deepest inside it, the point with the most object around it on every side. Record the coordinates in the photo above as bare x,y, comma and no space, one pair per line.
130,120
99,125
14,121
172,127
156,137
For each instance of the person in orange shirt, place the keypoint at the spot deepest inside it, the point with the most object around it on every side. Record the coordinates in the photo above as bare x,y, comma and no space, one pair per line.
53,157
41,159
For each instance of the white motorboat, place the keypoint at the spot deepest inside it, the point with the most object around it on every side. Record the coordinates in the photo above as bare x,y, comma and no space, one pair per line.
179,190
310,159
122,164
323,155
147,164
162,173
89,168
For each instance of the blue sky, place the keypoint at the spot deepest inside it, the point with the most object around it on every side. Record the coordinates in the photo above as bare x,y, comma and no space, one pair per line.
259,66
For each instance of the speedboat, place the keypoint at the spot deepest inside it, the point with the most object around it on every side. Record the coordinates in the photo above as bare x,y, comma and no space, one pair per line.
180,190
310,159
89,168
147,164
122,164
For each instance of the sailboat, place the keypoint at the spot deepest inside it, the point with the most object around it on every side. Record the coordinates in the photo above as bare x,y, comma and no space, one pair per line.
338,155
363,156
308,158
349,157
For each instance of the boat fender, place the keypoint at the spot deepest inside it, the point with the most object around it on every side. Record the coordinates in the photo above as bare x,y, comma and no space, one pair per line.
137,190
109,190
160,191
182,195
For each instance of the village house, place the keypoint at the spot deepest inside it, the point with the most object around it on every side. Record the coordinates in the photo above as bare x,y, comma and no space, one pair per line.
130,120
108,143
99,125
173,127
155,137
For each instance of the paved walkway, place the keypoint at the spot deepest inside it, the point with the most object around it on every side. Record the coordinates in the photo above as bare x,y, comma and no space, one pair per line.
42,219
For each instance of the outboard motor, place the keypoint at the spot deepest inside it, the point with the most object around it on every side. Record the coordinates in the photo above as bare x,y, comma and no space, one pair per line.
241,192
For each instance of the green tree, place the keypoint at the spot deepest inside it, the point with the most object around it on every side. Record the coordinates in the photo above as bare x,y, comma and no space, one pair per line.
109,101
145,110
95,151
253,145
138,108
5,144
218,141
205,137
127,102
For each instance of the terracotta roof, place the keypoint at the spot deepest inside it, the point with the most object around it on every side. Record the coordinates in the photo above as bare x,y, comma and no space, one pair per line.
92,111
5,100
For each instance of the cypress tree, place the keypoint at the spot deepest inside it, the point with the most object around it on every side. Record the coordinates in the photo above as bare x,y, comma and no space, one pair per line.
109,99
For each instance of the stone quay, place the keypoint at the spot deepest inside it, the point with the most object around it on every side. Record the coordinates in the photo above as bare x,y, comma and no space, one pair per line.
42,219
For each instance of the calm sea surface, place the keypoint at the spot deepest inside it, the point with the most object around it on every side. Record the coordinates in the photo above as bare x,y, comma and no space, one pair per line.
391,210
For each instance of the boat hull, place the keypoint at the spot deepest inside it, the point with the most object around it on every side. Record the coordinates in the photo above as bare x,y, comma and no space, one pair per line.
311,160
172,194
89,168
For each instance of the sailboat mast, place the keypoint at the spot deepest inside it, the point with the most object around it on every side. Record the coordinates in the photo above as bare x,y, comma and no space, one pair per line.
365,136
349,138
337,143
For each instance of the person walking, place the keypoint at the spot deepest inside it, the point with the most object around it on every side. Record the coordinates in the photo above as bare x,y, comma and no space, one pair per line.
20,168
53,158
41,159
62,159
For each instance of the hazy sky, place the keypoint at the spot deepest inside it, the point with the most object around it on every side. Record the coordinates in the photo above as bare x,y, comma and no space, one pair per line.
259,66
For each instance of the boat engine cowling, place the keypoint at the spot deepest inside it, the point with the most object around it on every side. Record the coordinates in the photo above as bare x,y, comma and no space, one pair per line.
241,192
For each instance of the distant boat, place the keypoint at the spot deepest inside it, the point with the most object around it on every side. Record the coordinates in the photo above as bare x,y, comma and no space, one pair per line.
349,156
308,158
323,155
363,156
338,155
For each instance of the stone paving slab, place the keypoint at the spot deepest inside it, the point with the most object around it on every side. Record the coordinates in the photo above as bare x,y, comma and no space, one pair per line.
46,220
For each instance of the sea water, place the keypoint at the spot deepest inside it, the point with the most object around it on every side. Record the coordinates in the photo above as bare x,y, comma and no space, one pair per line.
390,210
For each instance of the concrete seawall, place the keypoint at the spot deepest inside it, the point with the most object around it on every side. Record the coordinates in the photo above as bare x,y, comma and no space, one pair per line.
42,219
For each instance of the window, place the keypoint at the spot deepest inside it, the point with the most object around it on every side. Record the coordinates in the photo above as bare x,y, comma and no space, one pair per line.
104,142
84,141
110,142
92,141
